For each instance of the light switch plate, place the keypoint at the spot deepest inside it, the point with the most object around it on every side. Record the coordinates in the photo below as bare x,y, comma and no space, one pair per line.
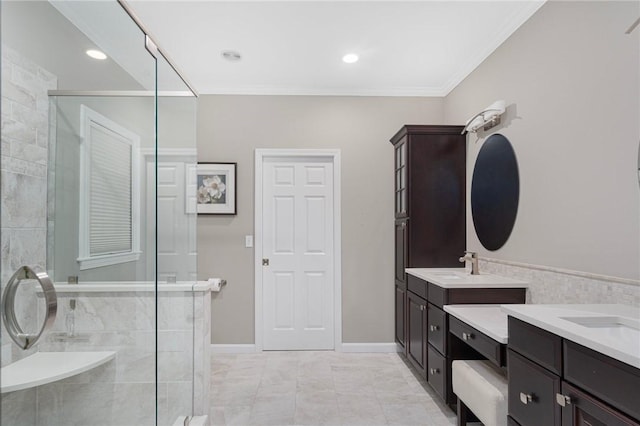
248,240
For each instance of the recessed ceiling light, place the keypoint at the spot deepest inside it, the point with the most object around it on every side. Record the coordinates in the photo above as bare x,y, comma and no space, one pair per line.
231,55
96,54
350,58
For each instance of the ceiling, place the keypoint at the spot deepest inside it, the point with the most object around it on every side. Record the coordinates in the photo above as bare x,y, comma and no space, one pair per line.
415,48
42,34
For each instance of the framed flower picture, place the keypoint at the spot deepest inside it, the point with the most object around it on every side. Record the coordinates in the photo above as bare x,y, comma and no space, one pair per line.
216,188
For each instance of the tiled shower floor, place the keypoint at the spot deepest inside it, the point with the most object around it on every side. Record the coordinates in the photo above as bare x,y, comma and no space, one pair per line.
321,388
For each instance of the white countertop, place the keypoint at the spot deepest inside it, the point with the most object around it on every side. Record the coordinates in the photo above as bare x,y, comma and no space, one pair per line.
613,330
47,367
460,278
487,319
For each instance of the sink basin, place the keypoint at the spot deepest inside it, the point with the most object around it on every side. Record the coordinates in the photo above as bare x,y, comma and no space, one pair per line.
604,322
614,326
446,275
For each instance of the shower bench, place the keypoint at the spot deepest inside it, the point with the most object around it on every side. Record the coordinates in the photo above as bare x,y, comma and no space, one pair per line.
47,367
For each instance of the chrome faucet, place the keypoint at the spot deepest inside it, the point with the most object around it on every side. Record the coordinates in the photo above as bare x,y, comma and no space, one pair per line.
473,257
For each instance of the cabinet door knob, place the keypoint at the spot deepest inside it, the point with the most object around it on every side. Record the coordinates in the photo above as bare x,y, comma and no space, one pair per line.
525,398
434,371
563,400
434,327
422,307
469,336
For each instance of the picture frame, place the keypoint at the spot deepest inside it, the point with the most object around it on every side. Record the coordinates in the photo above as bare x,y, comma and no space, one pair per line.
216,188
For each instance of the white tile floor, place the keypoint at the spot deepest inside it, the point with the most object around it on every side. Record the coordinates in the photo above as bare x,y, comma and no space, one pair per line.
321,388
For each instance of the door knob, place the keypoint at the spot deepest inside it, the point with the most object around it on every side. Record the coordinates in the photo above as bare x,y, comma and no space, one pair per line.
265,262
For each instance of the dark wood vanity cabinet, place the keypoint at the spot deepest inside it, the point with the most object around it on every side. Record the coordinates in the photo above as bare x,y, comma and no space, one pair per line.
432,344
556,382
429,206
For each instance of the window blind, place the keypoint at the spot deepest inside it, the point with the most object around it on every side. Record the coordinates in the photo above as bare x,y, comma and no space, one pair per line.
110,197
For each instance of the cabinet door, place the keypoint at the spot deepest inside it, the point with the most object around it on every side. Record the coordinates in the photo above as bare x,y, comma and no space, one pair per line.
416,332
401,251
532,392
401,302
581,409
401,179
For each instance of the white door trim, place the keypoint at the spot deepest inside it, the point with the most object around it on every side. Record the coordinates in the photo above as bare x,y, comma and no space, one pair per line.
260,156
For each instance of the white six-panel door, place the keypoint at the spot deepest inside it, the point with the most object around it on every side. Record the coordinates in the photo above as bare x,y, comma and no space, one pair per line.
176,244
298,244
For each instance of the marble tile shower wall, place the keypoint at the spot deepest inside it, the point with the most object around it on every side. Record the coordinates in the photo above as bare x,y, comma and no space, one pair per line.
122,392
557,286
23,176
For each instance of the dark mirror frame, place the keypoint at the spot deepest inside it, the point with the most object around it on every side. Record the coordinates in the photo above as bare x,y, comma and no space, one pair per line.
495,192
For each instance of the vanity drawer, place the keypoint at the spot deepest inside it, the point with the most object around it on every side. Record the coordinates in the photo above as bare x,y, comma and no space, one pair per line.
417,286
536,344
463,296
492,350
532,393
437,295
438,374
612,381
436,328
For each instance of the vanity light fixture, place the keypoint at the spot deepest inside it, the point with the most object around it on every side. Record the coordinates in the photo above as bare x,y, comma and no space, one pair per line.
96,54
487,118
350,58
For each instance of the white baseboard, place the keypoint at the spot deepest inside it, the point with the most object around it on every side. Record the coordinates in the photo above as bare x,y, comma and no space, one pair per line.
247,348
250,348
371,347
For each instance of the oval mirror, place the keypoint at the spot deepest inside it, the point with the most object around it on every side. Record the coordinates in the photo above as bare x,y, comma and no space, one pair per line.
495,190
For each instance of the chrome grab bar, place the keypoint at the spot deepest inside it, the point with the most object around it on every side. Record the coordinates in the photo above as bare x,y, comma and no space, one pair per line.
22,339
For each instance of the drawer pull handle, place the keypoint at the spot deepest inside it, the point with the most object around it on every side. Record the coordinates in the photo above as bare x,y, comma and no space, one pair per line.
563,400
525,398
467,336
434,327
434,371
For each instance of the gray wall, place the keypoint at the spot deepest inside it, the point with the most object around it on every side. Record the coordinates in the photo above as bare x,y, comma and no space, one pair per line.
230,128
571,79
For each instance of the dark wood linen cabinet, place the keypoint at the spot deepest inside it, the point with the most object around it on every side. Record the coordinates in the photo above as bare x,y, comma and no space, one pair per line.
429,199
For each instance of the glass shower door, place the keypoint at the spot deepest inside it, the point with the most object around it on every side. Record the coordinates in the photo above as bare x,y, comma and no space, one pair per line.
79,202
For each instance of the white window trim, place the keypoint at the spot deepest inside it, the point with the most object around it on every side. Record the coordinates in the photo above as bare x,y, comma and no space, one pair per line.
89,118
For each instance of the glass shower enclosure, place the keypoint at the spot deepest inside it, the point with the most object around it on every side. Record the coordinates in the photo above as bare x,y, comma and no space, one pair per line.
102,317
